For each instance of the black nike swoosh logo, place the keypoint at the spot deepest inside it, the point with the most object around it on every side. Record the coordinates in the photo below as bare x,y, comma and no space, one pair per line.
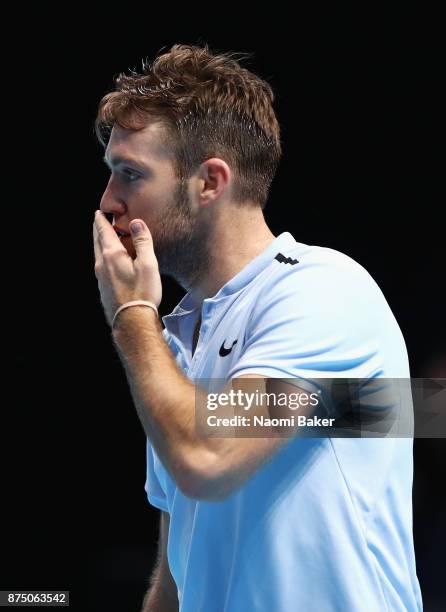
225,351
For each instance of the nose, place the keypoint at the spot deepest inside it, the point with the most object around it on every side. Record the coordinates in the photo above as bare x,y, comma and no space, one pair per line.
111,202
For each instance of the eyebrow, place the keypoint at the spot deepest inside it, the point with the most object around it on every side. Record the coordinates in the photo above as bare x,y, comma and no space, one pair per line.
118,161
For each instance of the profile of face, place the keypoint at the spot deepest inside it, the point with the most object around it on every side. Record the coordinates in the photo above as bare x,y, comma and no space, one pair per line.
143,184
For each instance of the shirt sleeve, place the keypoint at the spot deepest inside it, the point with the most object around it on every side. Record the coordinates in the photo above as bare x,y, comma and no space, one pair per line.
155,492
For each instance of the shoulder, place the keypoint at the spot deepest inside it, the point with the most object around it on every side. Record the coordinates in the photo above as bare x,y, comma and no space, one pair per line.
319,277
312,260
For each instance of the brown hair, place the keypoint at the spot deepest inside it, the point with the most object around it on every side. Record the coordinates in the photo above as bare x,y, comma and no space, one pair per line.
210,106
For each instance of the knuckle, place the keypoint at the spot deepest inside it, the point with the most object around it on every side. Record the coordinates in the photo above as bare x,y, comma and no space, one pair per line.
98,268
110,253
148,265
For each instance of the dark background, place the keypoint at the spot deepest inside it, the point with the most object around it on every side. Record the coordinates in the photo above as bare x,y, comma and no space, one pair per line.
359,111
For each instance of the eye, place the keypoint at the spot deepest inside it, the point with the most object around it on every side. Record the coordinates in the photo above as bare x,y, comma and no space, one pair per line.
130,176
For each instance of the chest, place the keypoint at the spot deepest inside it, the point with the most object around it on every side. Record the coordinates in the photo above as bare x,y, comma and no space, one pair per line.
213,345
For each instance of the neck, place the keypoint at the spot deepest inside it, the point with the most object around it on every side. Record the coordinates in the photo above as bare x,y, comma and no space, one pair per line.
237,237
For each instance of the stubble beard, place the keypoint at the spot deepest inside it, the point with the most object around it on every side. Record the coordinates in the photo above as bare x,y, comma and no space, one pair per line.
181,241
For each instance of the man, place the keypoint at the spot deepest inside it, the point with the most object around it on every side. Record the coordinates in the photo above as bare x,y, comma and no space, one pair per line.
247,523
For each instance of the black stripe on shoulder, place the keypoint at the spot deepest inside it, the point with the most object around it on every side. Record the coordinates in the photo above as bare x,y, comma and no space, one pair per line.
286,260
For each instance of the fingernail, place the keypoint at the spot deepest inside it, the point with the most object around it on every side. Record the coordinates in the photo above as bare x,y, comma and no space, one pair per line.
136,228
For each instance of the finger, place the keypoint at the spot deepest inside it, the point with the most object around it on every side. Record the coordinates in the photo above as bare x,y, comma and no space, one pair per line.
142,241
107,237
97,247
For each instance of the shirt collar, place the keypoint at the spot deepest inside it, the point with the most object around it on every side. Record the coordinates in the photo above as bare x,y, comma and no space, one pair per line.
282,242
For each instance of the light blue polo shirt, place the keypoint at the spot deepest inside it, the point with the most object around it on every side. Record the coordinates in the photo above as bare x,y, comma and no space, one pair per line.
326,524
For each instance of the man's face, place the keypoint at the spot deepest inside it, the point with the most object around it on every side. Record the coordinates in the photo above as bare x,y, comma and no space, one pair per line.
143,185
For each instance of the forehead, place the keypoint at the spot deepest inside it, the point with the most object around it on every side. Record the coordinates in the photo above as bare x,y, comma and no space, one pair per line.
147,145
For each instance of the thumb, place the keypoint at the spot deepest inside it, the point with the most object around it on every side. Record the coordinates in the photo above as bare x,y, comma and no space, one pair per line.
142,239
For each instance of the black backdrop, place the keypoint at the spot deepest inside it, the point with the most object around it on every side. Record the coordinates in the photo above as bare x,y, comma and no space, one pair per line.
361,173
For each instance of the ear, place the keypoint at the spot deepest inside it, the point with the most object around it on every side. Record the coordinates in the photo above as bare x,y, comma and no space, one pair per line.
215,176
